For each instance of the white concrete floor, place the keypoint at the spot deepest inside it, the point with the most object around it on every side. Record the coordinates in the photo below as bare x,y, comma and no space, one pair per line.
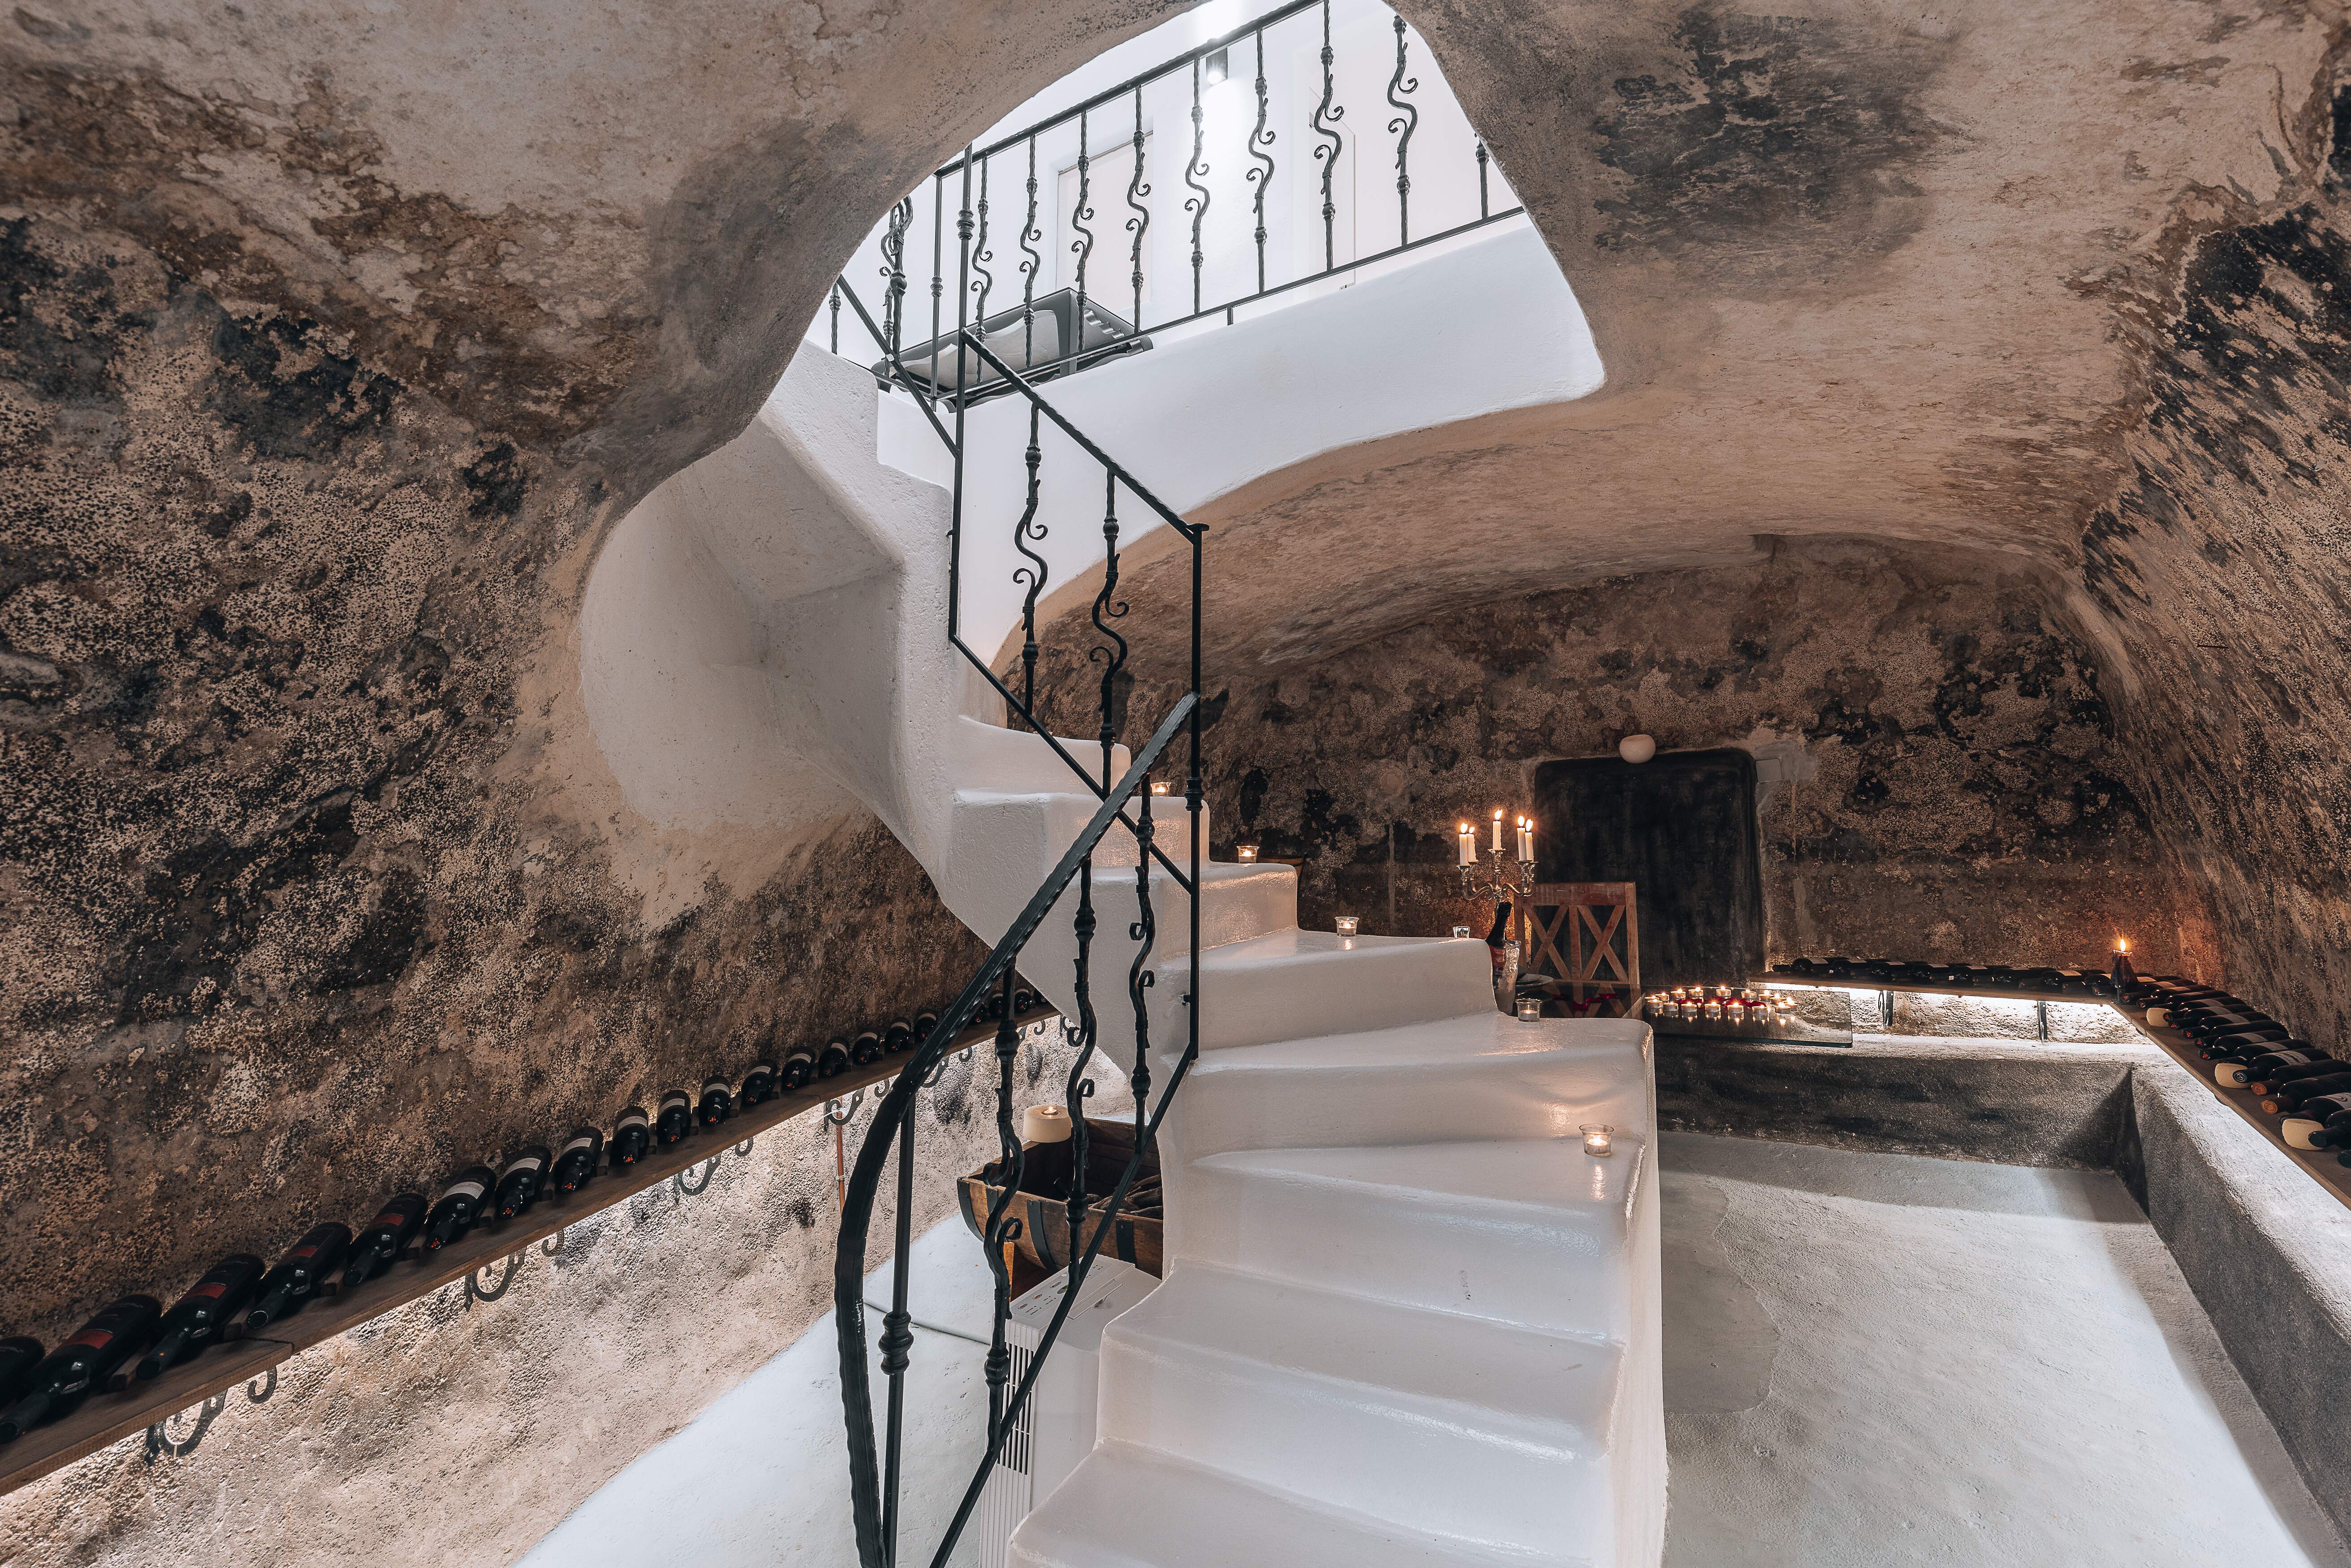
1871,1360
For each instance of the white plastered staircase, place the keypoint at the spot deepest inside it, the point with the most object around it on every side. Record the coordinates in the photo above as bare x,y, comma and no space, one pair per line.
1405,1318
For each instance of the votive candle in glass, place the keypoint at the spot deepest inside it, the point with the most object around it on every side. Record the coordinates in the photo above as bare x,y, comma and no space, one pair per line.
1529,1010
1599,1139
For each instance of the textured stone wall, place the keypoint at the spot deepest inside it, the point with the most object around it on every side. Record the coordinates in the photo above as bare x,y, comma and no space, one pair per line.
1962,796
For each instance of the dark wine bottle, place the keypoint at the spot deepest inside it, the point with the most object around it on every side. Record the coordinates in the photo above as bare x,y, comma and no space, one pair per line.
673,1118
2245,1047
1498,934
196,1319
925,1021
866,1049
520,1181
299,1275
2290,1096
718,1102
576,1161
19,1356
632,1138
376,1249
833,1060
2311,1117
799,1068
65,1376
458,1206
2258,1071
1024,1001
759,1085
900,1036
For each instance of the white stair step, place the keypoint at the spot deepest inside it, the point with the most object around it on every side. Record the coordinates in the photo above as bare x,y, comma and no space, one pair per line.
1051,820
990,756
1291,983
1451,1425
1475,1075
1530,1231
1126,1507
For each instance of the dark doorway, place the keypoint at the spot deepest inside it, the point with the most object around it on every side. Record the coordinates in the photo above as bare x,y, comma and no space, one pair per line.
1681,828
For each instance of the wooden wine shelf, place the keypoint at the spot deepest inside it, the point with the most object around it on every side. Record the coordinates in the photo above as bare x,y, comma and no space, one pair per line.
1820,982
106,1418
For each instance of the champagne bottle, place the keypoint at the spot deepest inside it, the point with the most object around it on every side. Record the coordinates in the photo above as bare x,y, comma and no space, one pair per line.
632,1138
458,1206
2290,1096
718,1102
898,1037
833,1060
196,1320
799,1068
672,1119
759,1085
520,1181
19,1356
376,1249
299,1275
866,1050
65,1377
576,1161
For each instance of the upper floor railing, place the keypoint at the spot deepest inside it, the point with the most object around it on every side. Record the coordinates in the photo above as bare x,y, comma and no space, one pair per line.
1291,151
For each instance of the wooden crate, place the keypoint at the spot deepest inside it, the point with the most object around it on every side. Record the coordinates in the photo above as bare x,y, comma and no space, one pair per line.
1042,1203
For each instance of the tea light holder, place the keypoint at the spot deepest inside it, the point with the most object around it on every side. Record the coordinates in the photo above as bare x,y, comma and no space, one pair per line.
1599,1140
1158,787
1246,853
1531,1009
1345,925
1461,931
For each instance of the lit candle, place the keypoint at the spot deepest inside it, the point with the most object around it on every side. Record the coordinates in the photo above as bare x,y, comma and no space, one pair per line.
1469,846
1245,851
1526,838
1529,1010
1345,923
1599,1140
1498,829
1157,788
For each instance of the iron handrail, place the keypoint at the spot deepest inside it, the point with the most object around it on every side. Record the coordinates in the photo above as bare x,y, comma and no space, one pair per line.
895,1111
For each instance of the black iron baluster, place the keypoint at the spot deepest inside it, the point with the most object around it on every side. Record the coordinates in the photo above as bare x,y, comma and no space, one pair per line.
980,256
898,1340
1482,210
836,315
1325,117
1262,175
1108,607
1139,977
1078,1087
894,269
938,270
1030,235
1193,795
1406,123
1001,1230
1139,224
1084,245
1033,574
1196,203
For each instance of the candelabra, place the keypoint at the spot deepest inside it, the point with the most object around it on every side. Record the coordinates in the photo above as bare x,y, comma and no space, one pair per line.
1502,876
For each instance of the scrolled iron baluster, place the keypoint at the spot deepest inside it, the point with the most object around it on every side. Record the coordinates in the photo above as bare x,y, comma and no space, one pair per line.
1260,176
1405,122
894,271
1483,211
985,284
1001,1229
1030,235
1107,608
1325,117
1077,1086
1139,224
898,1335
1197,202
836,315
1035,573
1139,979
1084,245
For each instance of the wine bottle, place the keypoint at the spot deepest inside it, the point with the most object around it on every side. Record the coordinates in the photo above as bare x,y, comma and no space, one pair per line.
2245,1047
2257,1070
2335,1135
632,1138
718,1102
2311,1117
19,1356
299,1275
576,1161
65,1377
1497,935
1024,1001
2290,1096
673,1118
520,1181
196,1320
833,1060
925,1021
458,1206
898,1037
376,1249
799,1068
866,1050
759,1085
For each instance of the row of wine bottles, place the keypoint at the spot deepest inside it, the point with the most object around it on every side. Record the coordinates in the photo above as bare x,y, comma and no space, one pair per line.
1955,976
135,1340
2289,1077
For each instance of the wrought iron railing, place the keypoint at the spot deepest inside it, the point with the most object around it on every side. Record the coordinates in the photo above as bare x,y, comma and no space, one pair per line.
1083,326
876,1468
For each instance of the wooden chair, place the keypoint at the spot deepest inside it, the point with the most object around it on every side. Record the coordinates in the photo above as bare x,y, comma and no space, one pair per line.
1598,918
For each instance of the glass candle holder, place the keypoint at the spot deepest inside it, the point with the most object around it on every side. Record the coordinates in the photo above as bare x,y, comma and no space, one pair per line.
1245,851
1345,925
1599,1139
1531,1009
1461,931
1157,788
1713,1008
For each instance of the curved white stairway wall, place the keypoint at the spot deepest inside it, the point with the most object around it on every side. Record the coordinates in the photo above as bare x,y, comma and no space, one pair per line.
1407,1319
